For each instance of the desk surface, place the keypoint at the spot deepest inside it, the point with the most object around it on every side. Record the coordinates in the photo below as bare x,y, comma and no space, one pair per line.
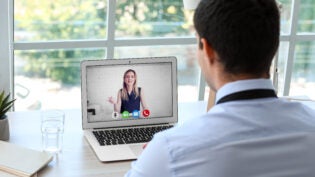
77,158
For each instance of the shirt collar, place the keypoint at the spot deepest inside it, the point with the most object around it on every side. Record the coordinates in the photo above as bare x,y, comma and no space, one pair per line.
242,85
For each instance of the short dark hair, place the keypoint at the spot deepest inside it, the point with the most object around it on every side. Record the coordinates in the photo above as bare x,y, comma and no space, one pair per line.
244,33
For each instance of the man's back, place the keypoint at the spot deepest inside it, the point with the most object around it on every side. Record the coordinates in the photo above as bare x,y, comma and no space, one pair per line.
266,125
202,145
271,137
290,155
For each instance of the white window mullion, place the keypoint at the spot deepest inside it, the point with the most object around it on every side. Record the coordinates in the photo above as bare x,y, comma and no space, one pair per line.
156,41
293,40
70,44
111,27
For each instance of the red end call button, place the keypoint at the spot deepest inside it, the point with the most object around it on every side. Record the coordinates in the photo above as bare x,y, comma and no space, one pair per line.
146,113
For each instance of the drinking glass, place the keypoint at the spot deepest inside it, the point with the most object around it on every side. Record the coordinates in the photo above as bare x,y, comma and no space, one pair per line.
52,128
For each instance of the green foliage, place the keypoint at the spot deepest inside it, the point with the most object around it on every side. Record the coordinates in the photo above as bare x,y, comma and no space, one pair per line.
58,65
83,20
304,50
59,20
5,104
150,18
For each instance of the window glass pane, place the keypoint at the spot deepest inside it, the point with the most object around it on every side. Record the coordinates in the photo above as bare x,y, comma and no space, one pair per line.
36,20
159,18
303,76
306,23
46,79
285,8
188,69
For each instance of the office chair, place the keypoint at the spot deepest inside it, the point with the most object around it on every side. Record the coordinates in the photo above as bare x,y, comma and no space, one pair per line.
211,99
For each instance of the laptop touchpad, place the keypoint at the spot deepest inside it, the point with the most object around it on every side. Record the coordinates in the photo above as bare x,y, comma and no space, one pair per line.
136,149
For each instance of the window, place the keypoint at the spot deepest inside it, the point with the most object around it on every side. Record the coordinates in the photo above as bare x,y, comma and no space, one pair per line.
295,59
51,38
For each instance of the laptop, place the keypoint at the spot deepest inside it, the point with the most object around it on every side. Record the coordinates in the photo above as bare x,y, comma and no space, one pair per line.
125,102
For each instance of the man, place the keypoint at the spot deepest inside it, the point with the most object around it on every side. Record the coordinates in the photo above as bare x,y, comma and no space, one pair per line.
237,42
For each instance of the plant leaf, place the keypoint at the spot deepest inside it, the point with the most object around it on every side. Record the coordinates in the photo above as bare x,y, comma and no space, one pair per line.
9,104
1,97
6,107
4,102
6,99
4,111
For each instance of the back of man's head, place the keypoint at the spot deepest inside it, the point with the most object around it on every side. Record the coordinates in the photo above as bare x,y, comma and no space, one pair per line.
244,33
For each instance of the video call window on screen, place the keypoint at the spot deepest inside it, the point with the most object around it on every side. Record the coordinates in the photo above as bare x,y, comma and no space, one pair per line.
129,92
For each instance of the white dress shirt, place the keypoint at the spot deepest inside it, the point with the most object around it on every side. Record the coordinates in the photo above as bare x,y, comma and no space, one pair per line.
194,148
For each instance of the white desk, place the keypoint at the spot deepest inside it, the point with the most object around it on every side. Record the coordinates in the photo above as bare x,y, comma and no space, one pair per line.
77,158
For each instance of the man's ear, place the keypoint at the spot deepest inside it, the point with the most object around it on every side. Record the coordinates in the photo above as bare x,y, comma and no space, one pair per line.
208,51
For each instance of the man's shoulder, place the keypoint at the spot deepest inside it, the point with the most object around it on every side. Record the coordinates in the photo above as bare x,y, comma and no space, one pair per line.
196,132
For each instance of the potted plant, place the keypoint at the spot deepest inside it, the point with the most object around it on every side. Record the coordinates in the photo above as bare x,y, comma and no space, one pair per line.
5,106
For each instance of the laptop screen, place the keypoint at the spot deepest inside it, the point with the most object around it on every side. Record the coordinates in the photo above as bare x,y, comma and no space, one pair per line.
129,92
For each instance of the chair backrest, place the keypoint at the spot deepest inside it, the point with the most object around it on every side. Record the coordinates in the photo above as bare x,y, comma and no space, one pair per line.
291,155
211,99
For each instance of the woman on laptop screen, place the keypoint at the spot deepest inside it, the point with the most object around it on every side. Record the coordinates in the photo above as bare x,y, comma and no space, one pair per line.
130,97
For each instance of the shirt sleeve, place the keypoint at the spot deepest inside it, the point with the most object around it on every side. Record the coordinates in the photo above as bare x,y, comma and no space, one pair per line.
153,162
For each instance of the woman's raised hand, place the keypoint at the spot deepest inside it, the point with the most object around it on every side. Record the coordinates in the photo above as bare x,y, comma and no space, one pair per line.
111,100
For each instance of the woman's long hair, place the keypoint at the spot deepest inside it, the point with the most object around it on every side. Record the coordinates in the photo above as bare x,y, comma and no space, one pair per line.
124,91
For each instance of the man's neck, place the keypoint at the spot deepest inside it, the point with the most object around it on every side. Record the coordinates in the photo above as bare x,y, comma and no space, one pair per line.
227,78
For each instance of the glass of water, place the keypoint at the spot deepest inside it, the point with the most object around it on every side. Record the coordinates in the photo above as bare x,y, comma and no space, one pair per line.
52,128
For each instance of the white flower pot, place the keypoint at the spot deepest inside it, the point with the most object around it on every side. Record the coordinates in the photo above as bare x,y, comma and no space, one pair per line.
4,129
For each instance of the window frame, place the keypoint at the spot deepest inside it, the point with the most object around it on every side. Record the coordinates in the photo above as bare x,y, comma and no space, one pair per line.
293,38
8,45
110,43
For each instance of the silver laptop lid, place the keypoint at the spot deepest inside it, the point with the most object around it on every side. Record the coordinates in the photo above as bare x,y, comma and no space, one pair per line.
152,101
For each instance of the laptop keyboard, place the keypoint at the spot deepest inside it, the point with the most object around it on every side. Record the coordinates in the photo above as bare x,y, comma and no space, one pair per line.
128,135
